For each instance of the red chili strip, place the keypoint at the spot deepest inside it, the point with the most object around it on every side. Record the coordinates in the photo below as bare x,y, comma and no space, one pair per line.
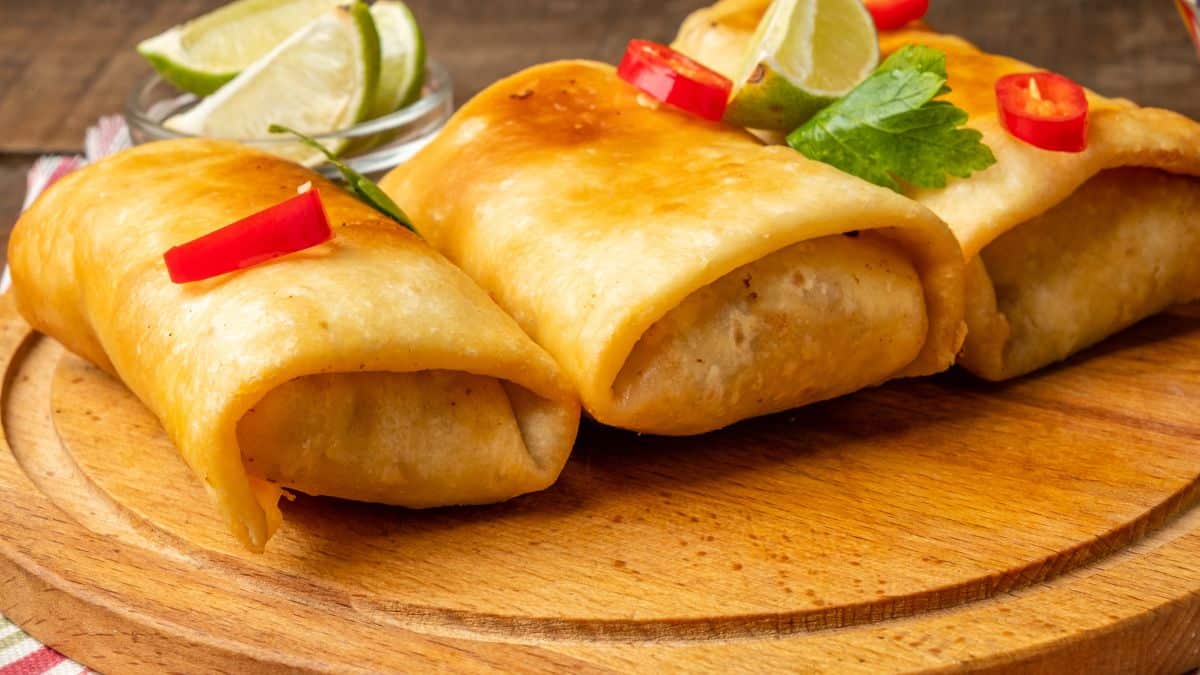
675,79
893,14
289,226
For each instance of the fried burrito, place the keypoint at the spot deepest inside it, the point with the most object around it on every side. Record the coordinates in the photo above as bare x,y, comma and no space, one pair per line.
683,275
367,368
1064,249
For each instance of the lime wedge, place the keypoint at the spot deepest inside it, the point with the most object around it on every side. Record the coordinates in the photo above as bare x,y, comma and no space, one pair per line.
804,55
201,55
322,78
401,56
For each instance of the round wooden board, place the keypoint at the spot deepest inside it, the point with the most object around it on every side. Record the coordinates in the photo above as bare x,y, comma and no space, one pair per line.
1040,525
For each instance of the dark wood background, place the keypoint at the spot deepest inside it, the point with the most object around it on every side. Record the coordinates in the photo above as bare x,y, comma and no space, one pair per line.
63,63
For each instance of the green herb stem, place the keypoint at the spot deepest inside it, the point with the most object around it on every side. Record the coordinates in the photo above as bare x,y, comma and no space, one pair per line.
360,186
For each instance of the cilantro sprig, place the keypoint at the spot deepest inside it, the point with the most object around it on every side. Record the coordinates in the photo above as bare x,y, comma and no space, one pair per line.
890,129
360,186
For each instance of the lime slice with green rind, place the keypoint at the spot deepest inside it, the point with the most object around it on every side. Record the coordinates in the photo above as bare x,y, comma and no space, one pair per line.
323,78
401,68
203,54
402,56
804,55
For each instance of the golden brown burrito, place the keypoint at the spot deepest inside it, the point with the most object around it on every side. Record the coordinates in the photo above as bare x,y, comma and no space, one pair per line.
683,275
1064,249
367,368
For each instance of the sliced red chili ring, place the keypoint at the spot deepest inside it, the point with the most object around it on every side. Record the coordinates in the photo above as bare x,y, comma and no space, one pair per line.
893,14
289,226
675,79
1044,109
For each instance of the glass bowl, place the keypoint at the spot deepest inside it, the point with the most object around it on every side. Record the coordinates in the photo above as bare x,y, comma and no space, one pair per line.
383,142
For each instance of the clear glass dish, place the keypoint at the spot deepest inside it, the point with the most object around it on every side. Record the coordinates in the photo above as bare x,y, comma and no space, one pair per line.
385,141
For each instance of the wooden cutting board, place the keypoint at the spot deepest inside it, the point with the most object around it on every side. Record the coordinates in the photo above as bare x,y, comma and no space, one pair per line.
1043,525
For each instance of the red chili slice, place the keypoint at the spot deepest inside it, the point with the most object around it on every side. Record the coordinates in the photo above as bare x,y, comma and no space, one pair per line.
673,78
1044,109
893,14
287,227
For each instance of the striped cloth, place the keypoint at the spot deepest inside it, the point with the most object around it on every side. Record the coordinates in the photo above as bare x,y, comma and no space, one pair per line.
1190,11
22,655
19,653
108,136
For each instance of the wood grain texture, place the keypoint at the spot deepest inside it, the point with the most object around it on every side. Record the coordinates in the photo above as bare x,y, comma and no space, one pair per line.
65,63
1068,544
12,193
1038,525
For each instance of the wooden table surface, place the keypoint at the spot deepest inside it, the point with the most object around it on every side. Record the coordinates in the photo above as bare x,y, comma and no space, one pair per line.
64,63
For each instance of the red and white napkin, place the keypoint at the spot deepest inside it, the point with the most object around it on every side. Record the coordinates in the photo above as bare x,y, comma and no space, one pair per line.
19,653
107,137
1190,11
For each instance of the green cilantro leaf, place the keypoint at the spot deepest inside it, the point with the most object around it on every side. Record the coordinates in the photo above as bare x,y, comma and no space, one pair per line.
361,186
889,128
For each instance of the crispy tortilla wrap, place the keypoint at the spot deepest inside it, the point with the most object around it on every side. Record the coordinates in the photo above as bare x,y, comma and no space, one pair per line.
367,368
684,275
1064,249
